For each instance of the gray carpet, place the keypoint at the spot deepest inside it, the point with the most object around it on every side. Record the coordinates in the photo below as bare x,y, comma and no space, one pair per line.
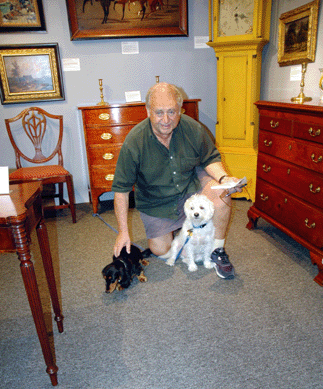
180,330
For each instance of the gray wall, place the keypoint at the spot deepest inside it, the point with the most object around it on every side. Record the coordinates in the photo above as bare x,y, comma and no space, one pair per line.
174,59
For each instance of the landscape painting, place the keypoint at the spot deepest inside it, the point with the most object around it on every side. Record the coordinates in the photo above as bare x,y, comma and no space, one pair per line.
30,73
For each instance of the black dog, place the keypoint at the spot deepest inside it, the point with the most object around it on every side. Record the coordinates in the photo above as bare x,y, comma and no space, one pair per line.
119,274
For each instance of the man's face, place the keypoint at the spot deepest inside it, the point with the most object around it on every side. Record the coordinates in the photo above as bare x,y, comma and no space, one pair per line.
164,112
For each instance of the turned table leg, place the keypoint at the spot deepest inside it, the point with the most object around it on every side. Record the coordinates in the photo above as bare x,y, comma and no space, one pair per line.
49,271
29,278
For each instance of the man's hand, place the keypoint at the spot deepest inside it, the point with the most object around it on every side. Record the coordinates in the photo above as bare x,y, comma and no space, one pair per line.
123,240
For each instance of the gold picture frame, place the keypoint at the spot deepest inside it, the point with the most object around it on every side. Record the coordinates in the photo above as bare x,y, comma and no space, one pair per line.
30,73
19,16
297,35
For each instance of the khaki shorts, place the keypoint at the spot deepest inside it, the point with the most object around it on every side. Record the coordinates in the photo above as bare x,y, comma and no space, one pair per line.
155,226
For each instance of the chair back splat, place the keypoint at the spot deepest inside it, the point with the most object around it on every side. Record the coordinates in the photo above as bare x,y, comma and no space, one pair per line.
40,127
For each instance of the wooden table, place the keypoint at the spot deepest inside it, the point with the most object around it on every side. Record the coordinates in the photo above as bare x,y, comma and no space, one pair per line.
20,212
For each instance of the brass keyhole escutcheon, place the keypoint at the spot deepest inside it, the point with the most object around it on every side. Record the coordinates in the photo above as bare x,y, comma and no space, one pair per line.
104,116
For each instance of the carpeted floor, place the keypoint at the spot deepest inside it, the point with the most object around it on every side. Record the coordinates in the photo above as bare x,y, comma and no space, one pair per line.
180,330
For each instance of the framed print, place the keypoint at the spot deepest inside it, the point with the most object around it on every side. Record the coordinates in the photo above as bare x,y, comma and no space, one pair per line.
30,73
22,15
91,19
297,35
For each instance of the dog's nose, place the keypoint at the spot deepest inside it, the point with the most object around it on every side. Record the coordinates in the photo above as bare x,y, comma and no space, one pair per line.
196,214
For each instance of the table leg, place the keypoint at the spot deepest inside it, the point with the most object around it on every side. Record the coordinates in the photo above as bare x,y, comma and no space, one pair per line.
29,278
49,271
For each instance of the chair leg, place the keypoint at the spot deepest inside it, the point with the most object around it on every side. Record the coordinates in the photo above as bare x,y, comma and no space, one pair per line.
70,190
60,193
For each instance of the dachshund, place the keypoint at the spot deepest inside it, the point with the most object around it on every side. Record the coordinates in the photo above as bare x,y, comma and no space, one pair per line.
119,274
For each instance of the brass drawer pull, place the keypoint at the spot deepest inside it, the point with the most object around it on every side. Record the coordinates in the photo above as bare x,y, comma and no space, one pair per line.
107,156
106,136
309,226
268,144
104,116
266,169
314,133
109,177
263,197
319,159
273,124
317,190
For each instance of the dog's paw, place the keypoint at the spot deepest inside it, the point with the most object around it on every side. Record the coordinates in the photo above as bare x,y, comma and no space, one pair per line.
209,264
192,267
170,262
142,278
144,262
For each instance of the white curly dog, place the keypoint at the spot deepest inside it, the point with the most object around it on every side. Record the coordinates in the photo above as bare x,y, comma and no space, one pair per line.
195,241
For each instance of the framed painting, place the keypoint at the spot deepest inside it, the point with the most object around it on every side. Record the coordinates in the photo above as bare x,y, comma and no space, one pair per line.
22,15
30,73
297,35
92,19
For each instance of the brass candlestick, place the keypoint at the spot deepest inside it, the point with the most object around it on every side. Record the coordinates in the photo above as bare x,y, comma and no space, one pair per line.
301,97
102,102
157,79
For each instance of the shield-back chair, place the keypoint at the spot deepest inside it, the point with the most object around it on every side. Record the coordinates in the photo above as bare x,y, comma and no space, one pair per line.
32,124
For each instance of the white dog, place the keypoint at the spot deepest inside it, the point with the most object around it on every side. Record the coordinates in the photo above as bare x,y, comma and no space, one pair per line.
195,241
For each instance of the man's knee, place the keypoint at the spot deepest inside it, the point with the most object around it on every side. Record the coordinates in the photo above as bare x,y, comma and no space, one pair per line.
160,245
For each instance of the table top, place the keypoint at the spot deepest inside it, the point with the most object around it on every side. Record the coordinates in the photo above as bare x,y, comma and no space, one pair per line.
19,199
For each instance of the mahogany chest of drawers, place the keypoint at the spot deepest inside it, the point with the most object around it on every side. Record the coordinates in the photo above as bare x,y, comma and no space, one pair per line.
105,128
289,187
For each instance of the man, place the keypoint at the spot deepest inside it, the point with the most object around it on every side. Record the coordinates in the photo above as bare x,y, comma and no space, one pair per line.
168,157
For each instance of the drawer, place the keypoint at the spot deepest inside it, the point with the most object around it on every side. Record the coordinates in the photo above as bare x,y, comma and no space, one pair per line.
301,153
103,155
106,135
301,182
114,115
274,124
102,177
313,133
307,222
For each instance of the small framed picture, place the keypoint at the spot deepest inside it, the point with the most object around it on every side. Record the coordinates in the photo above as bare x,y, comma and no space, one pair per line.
297,35
30,73
22,15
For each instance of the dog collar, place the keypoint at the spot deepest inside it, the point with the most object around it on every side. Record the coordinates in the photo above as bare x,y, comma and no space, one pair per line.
202,226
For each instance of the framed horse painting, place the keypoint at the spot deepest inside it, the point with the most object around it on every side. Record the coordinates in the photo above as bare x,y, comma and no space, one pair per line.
97,19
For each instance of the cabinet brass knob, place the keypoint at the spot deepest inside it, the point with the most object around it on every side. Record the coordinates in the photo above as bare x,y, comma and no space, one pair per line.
106,136
263,197
319,159
104,116
314,133
317,190
274,124
309,225
107,156
268,144
266,169
109,177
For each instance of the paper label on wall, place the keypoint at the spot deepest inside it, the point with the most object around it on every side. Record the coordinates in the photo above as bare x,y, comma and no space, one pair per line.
133,96
296,73
200,42
130,47
4,180
71,64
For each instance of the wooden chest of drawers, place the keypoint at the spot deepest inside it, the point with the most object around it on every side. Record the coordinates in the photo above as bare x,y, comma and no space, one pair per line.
289,187
105,128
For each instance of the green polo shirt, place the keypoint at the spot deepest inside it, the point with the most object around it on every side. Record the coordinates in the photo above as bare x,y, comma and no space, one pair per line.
161,176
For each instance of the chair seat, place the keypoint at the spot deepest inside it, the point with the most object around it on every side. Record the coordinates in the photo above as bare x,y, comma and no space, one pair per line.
38,172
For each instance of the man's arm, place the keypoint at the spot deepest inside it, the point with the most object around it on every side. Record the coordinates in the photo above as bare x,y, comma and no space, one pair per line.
121,208
216,170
